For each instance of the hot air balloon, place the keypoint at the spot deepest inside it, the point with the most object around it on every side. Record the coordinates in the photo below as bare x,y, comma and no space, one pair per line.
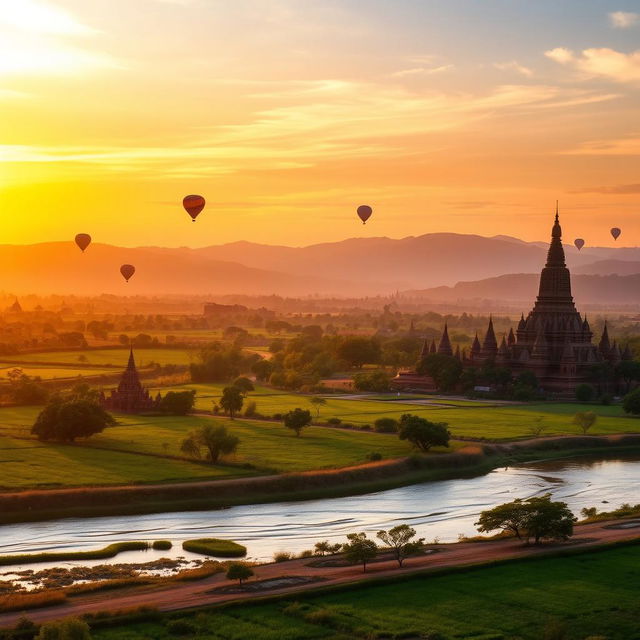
364,212
615,232
83,240
579,242
127,270
194,205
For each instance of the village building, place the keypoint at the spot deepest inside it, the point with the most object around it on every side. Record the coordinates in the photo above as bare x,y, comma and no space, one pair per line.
554,341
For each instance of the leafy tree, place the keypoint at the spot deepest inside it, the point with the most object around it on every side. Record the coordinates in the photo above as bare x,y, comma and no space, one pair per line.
262,369
239,571
359,549
548,519
445,370
507,517
401,541
386,425
215,439
377,381
244,384
218,363
423,433
317,402
297,420
232,400
359,350
631,402
584,392
26,390
64,420
325,547
178,403
629,371
585,420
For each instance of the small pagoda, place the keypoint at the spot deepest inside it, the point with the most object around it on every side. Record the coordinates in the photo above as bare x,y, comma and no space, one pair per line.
130,396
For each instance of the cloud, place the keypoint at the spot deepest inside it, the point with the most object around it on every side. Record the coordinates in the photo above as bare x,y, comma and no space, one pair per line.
426,71
604,63
310,123
514,65
34,16
623,19
616,147
620,189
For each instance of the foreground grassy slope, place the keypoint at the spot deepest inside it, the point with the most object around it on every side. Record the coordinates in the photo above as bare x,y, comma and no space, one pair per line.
594,594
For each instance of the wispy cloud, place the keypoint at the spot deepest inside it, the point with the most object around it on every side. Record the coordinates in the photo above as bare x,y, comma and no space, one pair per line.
514,65
623,19
604,63
615,147
422,71
620,189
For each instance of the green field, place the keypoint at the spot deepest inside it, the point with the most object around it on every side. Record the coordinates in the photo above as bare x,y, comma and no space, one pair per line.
53,372
593,594
112,357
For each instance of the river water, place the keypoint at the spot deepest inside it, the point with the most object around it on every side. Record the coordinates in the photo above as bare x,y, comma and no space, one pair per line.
442,510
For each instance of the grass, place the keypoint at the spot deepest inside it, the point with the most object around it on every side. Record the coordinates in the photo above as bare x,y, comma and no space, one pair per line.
215,547
592,593
110,551
53,372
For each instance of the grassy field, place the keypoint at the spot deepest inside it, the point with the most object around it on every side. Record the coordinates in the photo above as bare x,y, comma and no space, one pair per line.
112,357
53,372
593,594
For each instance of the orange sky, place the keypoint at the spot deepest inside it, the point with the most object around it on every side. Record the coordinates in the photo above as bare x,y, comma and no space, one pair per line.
456,115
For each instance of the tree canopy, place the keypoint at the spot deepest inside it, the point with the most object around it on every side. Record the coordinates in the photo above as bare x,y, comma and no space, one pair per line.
423,433
214,439
232,400
297,420
359,549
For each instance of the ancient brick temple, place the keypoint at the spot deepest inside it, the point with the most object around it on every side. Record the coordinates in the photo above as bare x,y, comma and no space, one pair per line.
130,396
553,341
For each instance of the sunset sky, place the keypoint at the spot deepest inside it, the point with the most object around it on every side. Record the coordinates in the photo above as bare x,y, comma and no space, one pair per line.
470,116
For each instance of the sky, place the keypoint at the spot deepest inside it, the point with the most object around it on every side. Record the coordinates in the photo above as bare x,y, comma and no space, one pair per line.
466,116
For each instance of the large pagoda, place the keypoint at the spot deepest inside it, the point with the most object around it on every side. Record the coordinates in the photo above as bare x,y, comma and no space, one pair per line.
130,396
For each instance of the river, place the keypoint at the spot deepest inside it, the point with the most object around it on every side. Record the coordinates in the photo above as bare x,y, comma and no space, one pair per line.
441,510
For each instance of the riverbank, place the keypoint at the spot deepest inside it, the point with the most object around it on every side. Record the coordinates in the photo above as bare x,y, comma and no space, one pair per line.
463,556
472,460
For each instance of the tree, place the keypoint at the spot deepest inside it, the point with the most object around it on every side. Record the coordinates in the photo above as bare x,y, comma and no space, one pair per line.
317,402
178,403
377,381
536,518
445,370
215,439
65,420
507,517
629,371
547,519
584,392
239,571
262,369
359,549
585,420
400,540
359,350
26,390
325,547
631,402
68,629
297,420
244,384
422,433
386,425
231,400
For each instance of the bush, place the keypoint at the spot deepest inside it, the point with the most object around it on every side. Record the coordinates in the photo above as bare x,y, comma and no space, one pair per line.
162,545
282,556
69,629
631,402
307,553
386,425
178,403
215,547
334,422
181,627
251,410
239,571
374,456
584,392
606,399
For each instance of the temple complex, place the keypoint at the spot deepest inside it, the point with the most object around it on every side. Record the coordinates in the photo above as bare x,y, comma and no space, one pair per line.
554,341
130,396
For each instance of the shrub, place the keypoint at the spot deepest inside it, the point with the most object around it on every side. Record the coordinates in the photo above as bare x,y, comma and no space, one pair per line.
239,571
307,553
251,410
606,399
68,629
631,402
162,545
215,547
334,422
386,425
282,556
178,403
181,627
374,456
584,392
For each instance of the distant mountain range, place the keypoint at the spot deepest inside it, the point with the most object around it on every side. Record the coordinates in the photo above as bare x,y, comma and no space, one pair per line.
353,267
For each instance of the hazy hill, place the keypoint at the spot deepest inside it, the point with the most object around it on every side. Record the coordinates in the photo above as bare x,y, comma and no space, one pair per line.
608,267
353,267
522,288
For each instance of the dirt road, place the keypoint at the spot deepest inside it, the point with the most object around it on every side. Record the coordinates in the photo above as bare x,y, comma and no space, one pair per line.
183,595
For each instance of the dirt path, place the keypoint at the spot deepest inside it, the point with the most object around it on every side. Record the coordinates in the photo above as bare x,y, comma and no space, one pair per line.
180,596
